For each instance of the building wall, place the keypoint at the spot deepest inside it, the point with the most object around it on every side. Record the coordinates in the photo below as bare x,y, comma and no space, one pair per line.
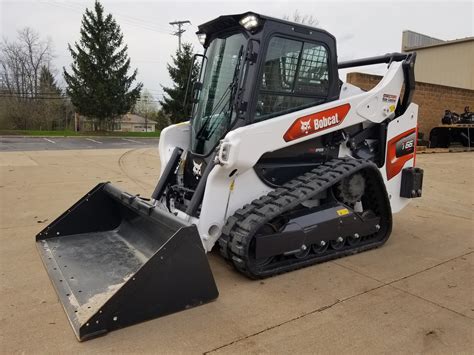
140,127
448,64
411,39
136,127
432,99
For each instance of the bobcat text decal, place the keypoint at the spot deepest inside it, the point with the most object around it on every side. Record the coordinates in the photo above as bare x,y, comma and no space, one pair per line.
316,122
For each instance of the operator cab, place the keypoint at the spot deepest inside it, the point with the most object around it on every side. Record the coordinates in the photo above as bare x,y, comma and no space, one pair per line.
255,68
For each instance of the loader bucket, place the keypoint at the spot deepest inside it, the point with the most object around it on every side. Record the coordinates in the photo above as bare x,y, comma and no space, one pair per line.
115,260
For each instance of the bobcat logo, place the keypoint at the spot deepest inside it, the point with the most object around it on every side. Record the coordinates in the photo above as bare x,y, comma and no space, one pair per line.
305,126
197,169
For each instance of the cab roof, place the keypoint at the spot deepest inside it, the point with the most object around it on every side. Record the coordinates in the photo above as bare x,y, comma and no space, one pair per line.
227,22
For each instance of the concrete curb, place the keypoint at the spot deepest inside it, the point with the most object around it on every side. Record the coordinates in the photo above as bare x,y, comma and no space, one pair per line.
443,150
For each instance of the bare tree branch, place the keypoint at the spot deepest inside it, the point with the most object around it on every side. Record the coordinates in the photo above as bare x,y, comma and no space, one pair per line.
21,62
26,101
307,19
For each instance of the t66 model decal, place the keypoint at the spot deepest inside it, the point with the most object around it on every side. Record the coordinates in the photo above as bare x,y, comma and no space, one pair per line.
316,122
400,149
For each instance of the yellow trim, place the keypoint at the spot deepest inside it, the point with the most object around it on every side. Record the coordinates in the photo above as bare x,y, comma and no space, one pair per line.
342,212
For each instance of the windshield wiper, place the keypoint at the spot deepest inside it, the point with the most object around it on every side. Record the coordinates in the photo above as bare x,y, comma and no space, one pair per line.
232,88
200,133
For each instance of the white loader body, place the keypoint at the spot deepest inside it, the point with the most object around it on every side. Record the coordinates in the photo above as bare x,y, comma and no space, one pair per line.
241,148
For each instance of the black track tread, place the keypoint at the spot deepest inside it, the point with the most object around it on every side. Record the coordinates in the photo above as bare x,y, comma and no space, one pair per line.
242,226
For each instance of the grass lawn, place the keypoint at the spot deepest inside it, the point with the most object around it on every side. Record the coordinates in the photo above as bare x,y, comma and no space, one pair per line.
78,134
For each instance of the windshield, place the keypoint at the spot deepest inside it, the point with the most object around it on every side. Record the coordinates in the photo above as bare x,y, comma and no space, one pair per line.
213,112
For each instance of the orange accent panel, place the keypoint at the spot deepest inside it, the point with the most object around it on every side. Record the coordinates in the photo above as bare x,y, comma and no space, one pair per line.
316,122
395,164
416,145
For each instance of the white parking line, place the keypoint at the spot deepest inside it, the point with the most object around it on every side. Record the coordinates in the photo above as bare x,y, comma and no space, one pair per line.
49,140
93,140
131,140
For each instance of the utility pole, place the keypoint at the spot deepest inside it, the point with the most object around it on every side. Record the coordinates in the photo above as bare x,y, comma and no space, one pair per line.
180,30
146,112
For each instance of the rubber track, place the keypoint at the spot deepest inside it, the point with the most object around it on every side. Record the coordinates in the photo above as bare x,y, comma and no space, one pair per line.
242,226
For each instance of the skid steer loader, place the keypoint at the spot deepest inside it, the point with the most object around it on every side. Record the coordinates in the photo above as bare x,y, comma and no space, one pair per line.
281,166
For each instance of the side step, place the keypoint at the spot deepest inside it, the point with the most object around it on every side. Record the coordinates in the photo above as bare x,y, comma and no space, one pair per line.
115,260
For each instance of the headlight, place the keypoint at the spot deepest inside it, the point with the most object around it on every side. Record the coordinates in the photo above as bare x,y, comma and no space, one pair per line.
249,22
202,38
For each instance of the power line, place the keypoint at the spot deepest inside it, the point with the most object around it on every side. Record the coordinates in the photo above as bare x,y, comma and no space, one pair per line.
180,30
127,20
33,97
31,94
46,96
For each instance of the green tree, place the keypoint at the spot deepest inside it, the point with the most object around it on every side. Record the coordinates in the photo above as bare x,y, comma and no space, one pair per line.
52,105
47,83
162,120
99,84
172,104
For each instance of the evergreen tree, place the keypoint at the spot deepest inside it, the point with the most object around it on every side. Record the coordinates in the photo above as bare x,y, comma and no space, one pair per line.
99,84
51,108
162,120
172,104
47,84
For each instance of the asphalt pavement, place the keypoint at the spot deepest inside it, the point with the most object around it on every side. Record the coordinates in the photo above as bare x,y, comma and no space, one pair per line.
73,143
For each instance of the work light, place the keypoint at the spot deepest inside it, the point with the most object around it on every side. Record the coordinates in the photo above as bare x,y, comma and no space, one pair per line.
201,38
249,22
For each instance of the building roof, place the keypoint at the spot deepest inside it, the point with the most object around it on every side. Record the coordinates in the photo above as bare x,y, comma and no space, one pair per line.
445,43
132,118
417,41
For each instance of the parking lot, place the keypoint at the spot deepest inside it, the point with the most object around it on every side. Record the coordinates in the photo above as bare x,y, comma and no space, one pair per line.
413,295
12,143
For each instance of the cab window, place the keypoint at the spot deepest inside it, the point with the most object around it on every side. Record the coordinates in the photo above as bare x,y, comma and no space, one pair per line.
295,75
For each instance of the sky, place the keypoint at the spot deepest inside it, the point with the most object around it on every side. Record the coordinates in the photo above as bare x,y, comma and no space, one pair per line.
362,29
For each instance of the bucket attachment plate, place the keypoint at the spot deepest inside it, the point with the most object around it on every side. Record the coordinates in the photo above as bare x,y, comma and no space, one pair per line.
115,260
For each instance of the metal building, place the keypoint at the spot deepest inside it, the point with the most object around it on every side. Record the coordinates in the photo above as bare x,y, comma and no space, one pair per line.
448,63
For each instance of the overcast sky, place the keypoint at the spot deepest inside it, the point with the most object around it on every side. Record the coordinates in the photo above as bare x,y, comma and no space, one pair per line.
362,28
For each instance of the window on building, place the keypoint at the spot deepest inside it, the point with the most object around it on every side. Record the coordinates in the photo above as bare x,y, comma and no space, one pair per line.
295,75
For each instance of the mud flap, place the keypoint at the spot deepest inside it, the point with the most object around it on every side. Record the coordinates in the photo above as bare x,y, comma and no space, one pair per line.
115,260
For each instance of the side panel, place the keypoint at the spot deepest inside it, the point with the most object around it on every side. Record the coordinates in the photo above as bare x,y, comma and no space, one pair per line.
348,90
173,136
243,147
224,195
246,188
400,132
